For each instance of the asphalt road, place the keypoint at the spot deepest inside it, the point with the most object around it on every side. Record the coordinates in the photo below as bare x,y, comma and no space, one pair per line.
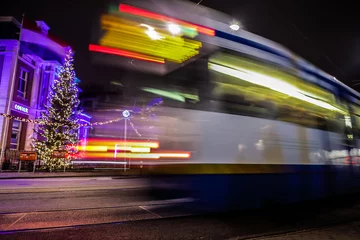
60,202
108,208
335,224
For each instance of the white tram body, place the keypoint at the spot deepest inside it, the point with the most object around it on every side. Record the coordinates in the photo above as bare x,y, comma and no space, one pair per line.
259,123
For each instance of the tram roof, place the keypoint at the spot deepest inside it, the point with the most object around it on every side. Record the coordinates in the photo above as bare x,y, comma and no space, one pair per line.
220,22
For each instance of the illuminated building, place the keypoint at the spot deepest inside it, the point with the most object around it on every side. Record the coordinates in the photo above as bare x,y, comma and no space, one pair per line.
27,70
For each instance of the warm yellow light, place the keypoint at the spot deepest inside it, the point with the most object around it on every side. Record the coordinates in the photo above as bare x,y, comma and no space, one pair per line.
137,155
111,144
173,155
133,149
272,83
140,150
93,148
131,36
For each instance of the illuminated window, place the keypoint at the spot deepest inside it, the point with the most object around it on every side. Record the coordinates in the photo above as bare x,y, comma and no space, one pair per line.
22,84
245,86
44,89
15,135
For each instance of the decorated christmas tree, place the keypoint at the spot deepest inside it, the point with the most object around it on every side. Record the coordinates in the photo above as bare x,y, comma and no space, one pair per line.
59,129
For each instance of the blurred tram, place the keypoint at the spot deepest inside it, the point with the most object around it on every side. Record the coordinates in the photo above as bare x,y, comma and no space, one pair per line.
244,123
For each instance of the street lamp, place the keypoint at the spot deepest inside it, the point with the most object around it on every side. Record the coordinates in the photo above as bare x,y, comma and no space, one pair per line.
126,113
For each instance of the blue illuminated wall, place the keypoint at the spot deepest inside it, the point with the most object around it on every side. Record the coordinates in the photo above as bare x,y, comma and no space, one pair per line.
43,59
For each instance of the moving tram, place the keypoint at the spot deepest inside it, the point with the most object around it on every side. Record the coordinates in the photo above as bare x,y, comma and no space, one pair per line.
242,123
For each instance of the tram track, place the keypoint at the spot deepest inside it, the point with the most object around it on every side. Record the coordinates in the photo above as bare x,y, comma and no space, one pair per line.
289,233
188,222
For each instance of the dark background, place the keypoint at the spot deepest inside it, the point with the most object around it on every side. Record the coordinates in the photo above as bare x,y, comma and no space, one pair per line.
326,34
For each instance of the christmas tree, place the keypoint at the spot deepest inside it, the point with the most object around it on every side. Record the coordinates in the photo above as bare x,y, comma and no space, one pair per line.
59,129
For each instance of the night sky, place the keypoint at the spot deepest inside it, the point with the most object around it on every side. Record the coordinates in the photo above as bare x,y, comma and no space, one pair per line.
325,34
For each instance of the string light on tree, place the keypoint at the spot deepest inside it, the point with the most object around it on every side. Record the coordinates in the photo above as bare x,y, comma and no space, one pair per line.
146,112
59,128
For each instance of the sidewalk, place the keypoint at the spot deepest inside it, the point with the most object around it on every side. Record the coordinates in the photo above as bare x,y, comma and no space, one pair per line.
69,173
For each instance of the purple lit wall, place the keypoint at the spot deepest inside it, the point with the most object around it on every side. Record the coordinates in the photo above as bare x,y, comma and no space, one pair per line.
1,64
42,57
83,131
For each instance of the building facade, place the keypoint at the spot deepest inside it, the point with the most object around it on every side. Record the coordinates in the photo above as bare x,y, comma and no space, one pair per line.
27,71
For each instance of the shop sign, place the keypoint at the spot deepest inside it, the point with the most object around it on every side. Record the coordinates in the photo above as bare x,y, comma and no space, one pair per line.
27,156
59,154
20,108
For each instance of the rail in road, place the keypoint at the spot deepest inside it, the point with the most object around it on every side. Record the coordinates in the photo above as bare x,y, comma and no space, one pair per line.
344,230
340,223
59,202
83,205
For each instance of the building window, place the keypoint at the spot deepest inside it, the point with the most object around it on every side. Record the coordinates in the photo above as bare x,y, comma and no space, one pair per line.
22,84
15,135
44,89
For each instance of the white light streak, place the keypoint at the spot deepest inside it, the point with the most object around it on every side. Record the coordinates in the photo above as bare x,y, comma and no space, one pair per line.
234,27
272,83
174,29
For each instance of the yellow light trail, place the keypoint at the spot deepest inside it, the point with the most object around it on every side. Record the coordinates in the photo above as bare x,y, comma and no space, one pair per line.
137,155
131,36
112,143
272,83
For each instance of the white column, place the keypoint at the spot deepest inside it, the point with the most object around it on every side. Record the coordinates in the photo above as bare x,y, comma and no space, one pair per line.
36,85
5,80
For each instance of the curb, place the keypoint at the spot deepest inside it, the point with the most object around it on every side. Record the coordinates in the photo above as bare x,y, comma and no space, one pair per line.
66,189
113,175
86,176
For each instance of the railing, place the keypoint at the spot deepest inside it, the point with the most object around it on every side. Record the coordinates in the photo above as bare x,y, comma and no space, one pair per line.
11,159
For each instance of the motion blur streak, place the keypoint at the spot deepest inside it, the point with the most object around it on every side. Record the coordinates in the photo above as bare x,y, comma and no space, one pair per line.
107,148
132,149
140,12
167,94
129,143
142,150
107,155
262,124
272,83
93,148
97,162
143,38
109,50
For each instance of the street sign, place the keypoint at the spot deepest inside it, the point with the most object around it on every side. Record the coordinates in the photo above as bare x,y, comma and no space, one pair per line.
27,156
59,154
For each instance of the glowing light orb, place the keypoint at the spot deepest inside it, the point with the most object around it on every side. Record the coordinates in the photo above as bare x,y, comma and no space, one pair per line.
235,27
174,29
126,114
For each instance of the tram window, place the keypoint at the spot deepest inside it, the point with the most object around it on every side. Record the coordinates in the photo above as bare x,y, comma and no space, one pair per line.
356,126
238,92
355,119
196,87
183,88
